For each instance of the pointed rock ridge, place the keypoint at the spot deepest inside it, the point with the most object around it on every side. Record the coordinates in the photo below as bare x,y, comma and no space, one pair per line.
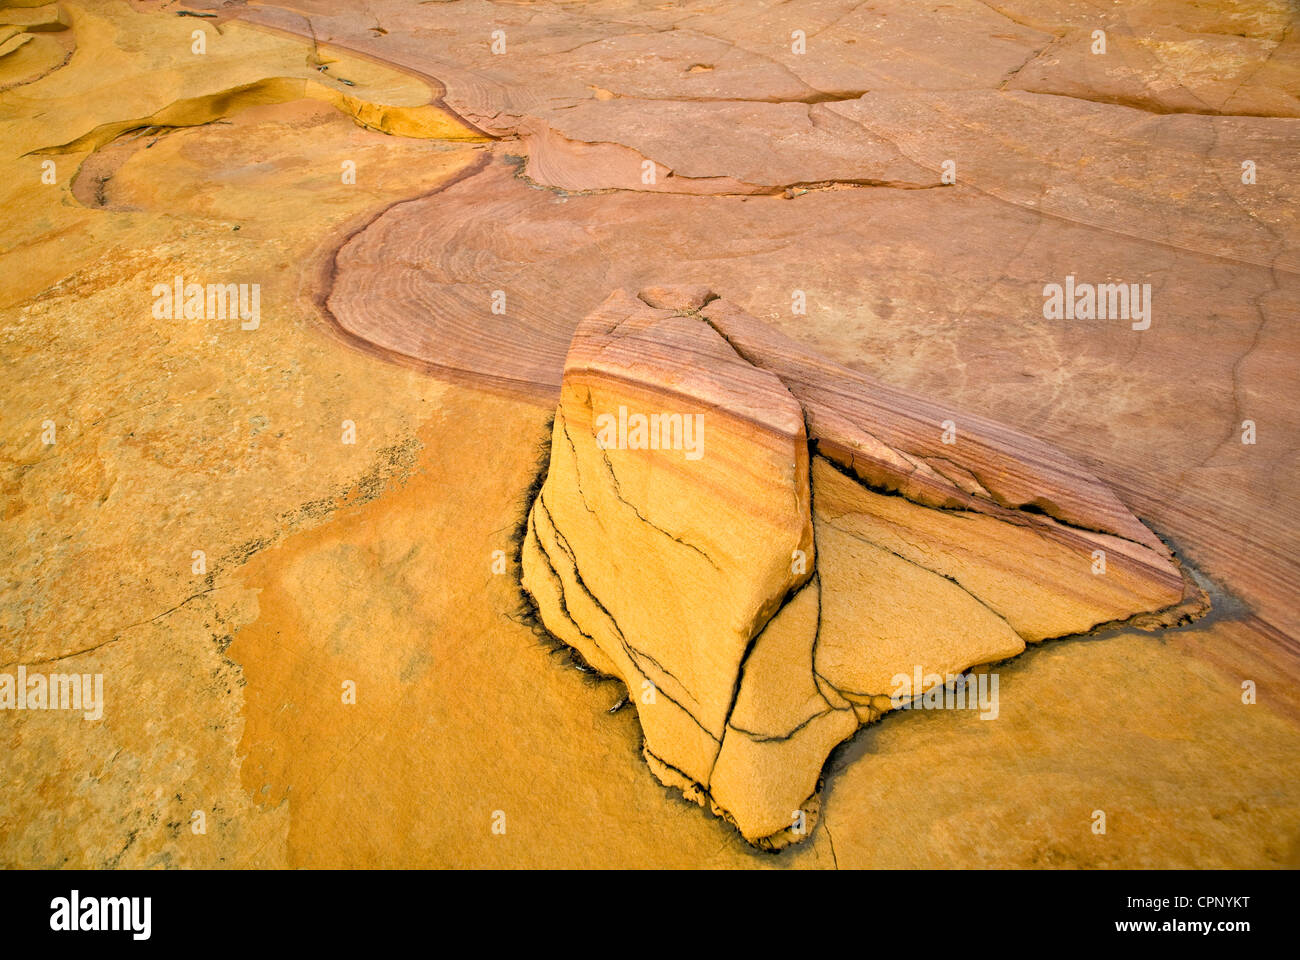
760,544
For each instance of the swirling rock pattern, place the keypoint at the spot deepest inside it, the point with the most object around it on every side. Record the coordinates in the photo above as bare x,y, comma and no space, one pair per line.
776,172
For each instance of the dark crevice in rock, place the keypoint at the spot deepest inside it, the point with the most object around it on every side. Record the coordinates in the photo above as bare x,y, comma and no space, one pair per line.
636,656
618,492
749,649
780,737
1020,516
953,580
577,467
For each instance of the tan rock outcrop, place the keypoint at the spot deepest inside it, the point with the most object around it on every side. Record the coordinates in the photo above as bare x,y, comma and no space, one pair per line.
708,551
760,543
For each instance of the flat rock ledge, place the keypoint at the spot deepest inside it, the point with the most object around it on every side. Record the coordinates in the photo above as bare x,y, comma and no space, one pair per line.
770,550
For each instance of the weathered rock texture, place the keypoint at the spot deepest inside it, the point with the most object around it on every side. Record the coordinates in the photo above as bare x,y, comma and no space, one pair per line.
774,172
784,537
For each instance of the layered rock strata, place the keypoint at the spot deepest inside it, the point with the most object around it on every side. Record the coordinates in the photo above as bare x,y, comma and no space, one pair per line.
761,543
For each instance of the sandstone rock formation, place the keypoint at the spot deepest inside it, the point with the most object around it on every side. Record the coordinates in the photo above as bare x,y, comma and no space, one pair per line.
129,159
759,543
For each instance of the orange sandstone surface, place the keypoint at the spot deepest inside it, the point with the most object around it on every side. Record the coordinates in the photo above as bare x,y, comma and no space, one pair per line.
336,563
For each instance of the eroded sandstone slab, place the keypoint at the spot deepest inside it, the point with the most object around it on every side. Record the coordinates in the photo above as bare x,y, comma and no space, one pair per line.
759,543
